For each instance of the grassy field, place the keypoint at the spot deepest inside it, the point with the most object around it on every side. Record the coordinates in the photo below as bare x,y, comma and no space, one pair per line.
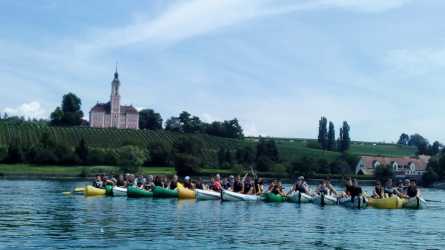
74,171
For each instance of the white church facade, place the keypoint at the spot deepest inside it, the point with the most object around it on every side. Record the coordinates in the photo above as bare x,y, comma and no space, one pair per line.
112,114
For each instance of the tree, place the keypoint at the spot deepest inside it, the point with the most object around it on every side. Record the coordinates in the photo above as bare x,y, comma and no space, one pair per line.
344,140
131,159
403,139
323,133
187,155
148,119
267,154
159,154
383,173
173,124
429,176
70,114
82,151
331,137
305,166
435,148
245,155
3,152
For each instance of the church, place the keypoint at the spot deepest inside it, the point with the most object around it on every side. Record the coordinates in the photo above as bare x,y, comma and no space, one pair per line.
112,114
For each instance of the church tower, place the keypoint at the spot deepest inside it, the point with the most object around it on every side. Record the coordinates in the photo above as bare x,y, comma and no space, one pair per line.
115,108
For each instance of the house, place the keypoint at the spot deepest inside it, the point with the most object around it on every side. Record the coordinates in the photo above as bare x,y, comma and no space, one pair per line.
403,167
112,114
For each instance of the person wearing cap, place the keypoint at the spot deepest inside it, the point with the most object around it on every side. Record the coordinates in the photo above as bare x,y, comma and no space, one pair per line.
300,186
188,183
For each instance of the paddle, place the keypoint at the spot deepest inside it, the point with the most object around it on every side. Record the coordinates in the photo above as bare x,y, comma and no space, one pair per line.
433,201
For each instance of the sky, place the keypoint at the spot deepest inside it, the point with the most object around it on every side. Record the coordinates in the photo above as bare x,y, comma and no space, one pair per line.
276,65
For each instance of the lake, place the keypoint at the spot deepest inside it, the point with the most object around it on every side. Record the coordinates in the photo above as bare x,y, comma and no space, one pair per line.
35,215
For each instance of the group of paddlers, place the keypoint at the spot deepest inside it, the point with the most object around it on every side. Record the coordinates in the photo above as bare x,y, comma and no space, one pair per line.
255,186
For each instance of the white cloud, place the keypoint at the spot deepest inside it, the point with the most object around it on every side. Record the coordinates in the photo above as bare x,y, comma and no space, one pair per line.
28,110
365,5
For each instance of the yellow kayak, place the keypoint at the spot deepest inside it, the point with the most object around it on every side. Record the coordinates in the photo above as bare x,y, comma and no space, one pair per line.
92,191
392,202
185,193
79,190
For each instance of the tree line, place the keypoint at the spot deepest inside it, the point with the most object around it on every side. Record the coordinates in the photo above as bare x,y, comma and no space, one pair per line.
69,113
422,144
326,136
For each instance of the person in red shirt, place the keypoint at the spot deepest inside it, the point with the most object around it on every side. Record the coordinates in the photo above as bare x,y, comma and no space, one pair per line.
216,185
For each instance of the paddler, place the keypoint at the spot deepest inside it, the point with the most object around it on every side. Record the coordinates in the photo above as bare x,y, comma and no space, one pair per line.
121,181
238,185
300,186
173,182
216,184
412,191
378,192
322,188
149,184
356,190
98,183
259,186
199,184
188,183
276,188
331,188
248,187
389,189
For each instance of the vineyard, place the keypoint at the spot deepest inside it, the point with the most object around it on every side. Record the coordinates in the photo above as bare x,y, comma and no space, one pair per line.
30,134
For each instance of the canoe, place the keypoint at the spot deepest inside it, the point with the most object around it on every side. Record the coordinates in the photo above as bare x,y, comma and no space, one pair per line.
135,192
297,197
323,200
119,191
109,190
92,191
79,190
185,193
415,203
359,202
232,196
160,192
392,202
271,197
207,195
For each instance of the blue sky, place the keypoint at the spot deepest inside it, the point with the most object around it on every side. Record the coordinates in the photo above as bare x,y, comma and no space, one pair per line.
275,65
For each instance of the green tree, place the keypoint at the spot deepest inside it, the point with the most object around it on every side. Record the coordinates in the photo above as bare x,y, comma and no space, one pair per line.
344,141
323,133
70,114
149,119
429,176
3,152
159,154
82,151
305,166
383,173
173,124
131,159
435,148
403,139
331,137
188,155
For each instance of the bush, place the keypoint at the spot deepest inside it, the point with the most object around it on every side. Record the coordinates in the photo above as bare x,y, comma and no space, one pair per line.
305,166
237,168
278,168
3,153
264,163
323,167
160,154
186,164
131,159
96,156
45,156
340,167
429,177
383,173
313,144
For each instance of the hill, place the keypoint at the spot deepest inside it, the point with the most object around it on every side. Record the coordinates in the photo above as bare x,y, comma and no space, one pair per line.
289,148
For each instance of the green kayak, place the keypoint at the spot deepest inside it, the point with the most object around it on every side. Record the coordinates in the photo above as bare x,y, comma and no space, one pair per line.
160,192
135,192
109,190
271,197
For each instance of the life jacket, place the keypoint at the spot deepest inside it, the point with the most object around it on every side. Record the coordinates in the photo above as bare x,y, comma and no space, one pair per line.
188,185
411,192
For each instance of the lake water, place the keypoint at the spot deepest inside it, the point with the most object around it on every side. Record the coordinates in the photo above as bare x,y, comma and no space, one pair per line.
35,215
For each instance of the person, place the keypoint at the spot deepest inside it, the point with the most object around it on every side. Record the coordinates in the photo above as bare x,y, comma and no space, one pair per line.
247,186
331,188
300,186
406,185
349,187
173,182
378,192
121,181
322,188
140,181
158,181
259,186
276,187
188,183
412,190
237,185
400,187
149,184
389,189
356,189
216,184
98,183
199,184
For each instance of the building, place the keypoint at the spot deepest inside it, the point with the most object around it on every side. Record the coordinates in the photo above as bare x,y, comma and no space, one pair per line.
403,167
112,114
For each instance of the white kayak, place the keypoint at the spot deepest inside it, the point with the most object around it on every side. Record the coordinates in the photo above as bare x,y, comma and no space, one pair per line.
415,203
298,197
359,202
232,196
322,200
119,191
207,195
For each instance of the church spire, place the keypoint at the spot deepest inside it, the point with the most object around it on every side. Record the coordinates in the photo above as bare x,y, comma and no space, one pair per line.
116,75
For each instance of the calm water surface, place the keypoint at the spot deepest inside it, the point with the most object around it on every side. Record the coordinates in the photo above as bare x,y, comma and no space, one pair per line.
35,215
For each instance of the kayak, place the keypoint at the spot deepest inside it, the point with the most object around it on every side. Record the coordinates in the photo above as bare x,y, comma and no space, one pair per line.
359,202
92,191
415,203
323,200
232,196
79,190
109,190
207,195
160,192
271,197
119,191
297,197
185,193
135,192
392,202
